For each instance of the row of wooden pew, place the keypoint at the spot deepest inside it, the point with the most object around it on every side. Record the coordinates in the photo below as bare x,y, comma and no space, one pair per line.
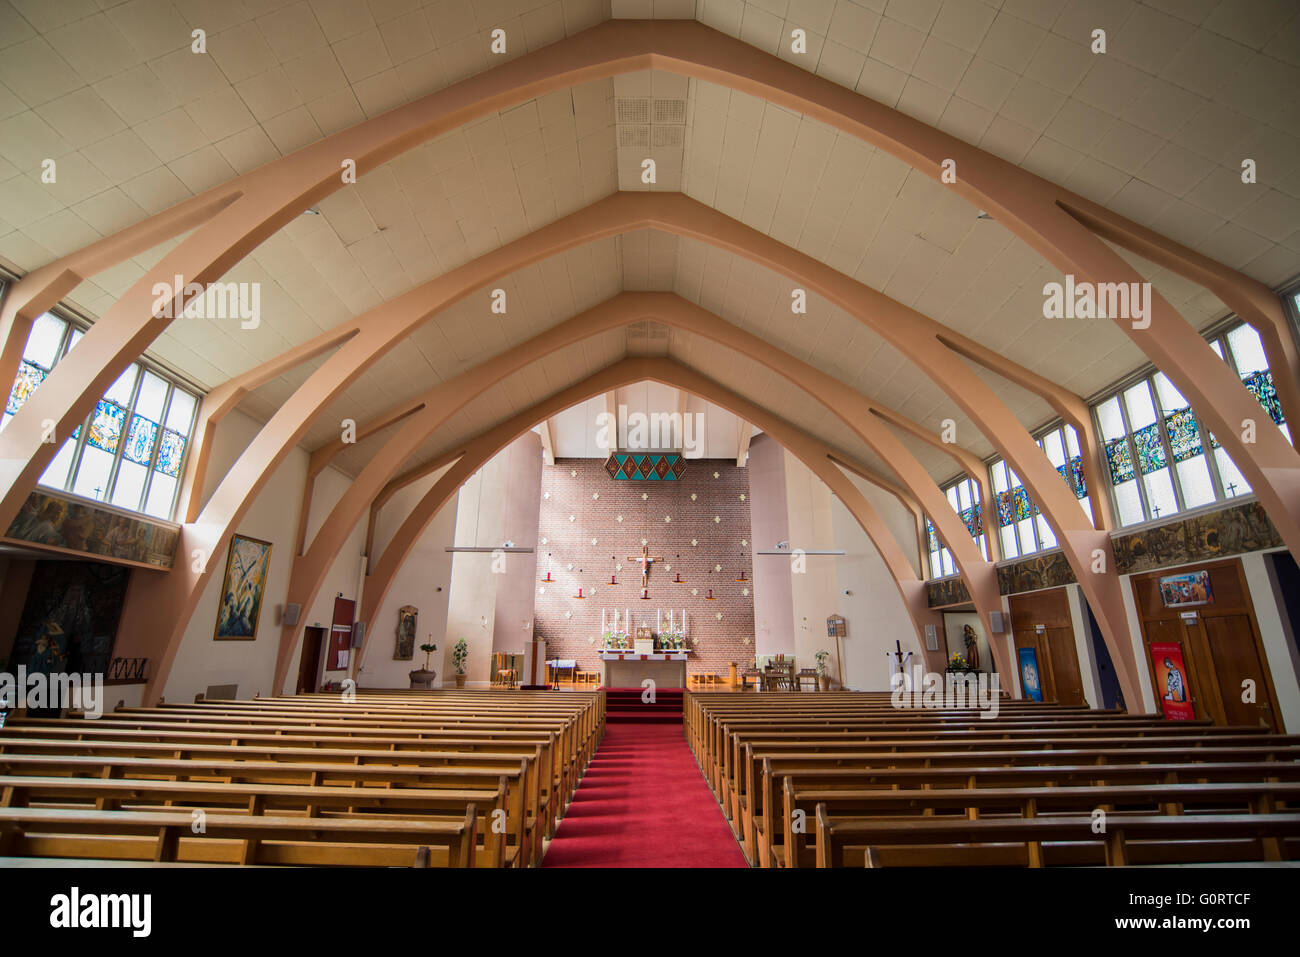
847,779
383,778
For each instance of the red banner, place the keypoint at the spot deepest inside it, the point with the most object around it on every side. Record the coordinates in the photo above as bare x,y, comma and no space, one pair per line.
1172,684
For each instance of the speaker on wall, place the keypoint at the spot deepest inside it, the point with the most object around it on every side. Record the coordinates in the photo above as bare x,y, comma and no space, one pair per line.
358,633
995,619
291,613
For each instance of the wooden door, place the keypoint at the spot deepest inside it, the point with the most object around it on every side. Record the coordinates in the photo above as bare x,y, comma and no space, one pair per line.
309,663
1041,620
1220,642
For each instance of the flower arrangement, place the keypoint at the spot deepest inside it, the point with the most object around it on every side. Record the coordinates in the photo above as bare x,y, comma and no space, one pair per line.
957,663
615,639
459,654
672,639
821,657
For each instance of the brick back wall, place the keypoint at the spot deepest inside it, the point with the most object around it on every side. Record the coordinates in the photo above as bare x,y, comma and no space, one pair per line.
713,643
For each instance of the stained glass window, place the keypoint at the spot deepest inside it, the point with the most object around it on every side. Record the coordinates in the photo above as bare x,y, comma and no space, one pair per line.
1261,386
140,440
29,377
1121,462
170,453
963,494
106,425
1022,507
142,420
1180,462
1184,434
1150,449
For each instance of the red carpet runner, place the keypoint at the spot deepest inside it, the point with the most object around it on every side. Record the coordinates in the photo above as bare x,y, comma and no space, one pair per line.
643,803
625,704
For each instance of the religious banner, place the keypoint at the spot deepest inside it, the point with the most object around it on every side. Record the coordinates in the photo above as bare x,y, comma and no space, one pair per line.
340,643
1171,680
1190,588
1029,680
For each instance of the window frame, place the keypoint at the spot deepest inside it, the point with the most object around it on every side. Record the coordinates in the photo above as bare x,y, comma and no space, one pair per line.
1217,335
75,327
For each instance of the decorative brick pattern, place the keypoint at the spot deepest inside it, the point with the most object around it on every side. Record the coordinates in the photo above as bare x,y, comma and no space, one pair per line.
713,643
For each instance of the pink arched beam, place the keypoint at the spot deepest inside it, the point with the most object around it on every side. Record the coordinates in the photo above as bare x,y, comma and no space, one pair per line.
268,197
480,450
309,570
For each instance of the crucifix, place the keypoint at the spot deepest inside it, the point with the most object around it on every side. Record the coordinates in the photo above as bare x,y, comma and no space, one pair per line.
646,561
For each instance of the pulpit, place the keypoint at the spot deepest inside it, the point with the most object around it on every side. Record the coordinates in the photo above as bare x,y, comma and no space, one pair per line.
534,677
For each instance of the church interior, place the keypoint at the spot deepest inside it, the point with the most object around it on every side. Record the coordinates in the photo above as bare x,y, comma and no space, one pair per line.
649,433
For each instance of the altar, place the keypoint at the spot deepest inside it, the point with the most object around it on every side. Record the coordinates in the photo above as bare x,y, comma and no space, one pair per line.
628,669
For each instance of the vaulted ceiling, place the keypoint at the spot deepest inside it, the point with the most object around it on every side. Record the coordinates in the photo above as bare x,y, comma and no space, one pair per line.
1155,128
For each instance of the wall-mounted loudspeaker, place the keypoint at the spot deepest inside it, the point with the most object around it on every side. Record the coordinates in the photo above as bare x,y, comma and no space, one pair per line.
358,633
995,619
291,613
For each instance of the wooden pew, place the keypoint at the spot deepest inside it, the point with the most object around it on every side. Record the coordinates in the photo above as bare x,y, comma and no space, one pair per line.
166,836
525,816
1119,801
1136,839
802,789
212,797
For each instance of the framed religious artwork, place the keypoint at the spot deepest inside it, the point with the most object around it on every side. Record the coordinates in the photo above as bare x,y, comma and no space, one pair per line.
406,616
1189,588
242,589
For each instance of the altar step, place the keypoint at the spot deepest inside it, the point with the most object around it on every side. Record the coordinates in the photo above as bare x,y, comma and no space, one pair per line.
625,704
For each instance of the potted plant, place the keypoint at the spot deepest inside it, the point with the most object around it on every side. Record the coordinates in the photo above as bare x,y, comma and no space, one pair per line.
459,655
823,679
423,677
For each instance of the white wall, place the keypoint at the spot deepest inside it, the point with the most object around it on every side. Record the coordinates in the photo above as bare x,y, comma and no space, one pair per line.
769,518
343,574
874,612
813,592
273,517
423,580
1274,632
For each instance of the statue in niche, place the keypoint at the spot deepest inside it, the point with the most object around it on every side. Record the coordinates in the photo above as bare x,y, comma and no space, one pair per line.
972,647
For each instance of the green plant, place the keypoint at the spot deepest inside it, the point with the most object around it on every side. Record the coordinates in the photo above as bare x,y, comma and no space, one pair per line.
459,655
821,657
428,649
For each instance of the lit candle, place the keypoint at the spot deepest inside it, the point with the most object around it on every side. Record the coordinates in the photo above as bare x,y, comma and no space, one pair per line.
657,628
603,629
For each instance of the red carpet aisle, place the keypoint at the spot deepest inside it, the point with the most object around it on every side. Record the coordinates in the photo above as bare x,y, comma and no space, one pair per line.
643,803
625,704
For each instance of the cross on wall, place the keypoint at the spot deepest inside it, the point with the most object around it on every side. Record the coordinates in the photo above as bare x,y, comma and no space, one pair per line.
646,561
